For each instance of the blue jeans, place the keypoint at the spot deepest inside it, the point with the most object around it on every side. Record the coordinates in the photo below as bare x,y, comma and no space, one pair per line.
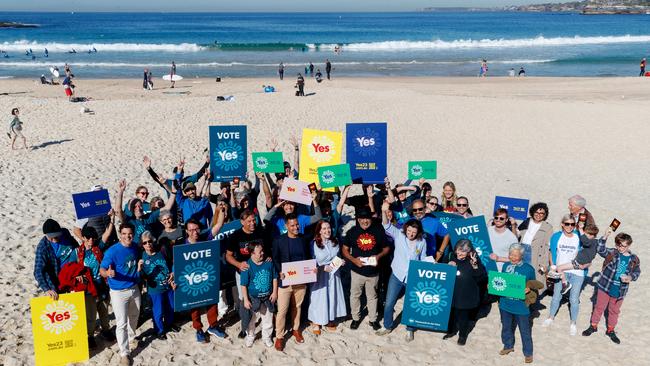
395,291
574,295
510,322
163,308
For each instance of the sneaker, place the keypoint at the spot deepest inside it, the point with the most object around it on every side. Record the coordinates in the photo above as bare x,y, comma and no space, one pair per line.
249,341
91,342
547,322
355,324
201,337
375,325
215,331
241,335
383,332
279,344
449,335
505,351
589,331
612,335
409,336
462,341
107,335
528,359
297,336
161,337
268,342
566,287
573,330
174,328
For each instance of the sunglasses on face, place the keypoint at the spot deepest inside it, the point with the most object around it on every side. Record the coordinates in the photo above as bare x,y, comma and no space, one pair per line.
145,242
462,204
569,224
499,218
418,209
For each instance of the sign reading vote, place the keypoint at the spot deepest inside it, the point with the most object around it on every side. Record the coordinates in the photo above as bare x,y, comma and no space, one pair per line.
91,204
334,175
196,272
227,271
517,207
295,191
366,152
59,328
319,148
507,284
428,296
299,272
227,152
423,169
268,162
475,230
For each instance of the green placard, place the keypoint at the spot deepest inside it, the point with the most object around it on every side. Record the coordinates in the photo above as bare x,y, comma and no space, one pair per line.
268,162
507,284
423,169
334,175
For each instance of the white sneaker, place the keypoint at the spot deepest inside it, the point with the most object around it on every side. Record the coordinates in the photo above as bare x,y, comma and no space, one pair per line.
249,341
573,330
268,342
547,322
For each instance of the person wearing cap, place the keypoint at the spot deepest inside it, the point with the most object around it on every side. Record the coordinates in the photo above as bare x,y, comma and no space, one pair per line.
56,248
191,204
140,221
363,246
278,221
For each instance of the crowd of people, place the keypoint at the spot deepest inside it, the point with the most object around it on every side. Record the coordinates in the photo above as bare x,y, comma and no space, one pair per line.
117,257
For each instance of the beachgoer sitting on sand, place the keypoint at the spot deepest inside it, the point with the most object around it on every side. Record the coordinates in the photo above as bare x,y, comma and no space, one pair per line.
319,76
268,88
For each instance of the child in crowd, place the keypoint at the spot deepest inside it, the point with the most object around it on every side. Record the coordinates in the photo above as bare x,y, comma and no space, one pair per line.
259,285
583,259
620,267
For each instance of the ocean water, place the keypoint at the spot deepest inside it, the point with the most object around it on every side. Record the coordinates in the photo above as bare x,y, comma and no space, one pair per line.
372,44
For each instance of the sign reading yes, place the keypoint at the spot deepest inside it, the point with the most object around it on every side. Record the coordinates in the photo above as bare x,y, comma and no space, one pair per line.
196,269
429,295
475,230
228,149
366,152
517,207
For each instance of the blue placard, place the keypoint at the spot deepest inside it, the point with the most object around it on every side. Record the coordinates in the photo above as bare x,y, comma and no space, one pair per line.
227,270
91,204
196,273
428,296
517,207
366,152
228,152
475,230
446,217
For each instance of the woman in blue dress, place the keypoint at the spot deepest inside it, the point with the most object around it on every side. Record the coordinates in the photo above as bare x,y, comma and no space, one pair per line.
327,302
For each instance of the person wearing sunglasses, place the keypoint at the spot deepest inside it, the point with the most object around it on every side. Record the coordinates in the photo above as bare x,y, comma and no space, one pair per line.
534,235
432,205
141,194
434,231
462,207
500,237
565,245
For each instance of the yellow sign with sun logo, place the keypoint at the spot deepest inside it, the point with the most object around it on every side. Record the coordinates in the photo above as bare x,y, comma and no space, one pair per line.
319,148
59,327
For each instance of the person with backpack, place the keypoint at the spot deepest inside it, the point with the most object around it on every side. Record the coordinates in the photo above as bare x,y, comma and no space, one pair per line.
620,268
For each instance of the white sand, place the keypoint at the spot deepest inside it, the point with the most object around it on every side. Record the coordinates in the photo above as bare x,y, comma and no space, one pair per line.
544,139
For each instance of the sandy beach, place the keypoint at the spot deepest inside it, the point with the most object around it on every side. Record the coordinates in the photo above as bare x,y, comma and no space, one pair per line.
545,139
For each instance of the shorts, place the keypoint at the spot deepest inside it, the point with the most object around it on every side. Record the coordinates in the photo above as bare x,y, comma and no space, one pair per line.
68,92
18,133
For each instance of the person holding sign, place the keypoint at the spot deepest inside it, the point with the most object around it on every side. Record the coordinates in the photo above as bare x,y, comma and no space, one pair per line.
289,247
470,274
500,237
259,288
620,268
363,247
278,222
577,209
515,312
327,302
120,267
409,246
400,201
56,248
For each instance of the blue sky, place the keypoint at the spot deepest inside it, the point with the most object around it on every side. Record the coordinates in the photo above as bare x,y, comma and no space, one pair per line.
247,5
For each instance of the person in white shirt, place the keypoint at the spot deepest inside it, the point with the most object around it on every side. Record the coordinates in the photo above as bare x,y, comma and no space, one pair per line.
500,237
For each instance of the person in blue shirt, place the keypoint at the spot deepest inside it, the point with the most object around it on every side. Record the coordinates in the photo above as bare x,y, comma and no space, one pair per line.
120,267
160,284
515,312
56,248
409,246
278,221
400,200
433,229
192,204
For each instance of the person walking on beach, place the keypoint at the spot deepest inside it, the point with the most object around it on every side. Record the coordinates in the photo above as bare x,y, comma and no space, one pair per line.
16,129
328,68
172,72
281,71
311,69
300,84
484,68
642,67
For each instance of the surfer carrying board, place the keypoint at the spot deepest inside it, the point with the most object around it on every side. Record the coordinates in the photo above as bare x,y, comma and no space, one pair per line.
172,73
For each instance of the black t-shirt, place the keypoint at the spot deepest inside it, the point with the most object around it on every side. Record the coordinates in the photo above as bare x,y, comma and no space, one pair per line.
238,242
365,243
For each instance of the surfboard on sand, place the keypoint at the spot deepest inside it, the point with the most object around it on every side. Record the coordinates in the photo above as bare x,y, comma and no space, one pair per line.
172,78
54,72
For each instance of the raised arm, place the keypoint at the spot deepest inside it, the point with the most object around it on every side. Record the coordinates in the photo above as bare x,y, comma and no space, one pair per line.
296,153
219,224
317,213
121,186
109,228
391,196
344,197
146,162
371,202
268,198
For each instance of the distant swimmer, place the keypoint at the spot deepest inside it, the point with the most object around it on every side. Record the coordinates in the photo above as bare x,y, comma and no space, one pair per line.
72,51
47,54
94,50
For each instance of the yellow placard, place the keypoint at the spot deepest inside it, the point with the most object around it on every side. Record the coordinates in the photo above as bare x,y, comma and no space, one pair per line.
319,148
59,327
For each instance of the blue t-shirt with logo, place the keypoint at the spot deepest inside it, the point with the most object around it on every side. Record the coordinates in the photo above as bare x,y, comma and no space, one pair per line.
510,304
615,289
433,228
156,271
64,253
281,227
124,260
259,278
